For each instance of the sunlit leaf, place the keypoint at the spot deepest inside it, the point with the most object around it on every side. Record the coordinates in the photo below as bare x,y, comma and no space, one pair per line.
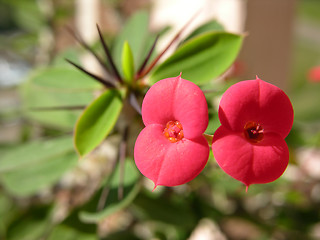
127,62
202,58
212,25
97,121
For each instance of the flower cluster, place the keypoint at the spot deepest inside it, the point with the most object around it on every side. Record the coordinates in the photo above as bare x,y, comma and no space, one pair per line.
249,145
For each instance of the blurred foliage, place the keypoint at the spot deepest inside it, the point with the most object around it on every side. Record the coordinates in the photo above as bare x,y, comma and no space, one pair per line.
309,10
24,173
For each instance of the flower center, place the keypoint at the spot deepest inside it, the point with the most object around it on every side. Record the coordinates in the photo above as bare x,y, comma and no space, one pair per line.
173,131
253,132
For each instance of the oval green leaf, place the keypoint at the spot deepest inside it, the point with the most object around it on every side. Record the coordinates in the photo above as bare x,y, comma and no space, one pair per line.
127,62
201,59
97,121
35,166
210,26
56,87
64,78
33,153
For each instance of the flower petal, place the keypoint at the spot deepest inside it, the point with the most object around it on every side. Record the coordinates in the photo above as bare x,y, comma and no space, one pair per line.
248,162
257,101
166,163
184,161
174,99
191,109
158,102
149,150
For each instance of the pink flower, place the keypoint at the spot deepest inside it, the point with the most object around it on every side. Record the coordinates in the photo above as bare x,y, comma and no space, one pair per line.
314,74
171,150
255,118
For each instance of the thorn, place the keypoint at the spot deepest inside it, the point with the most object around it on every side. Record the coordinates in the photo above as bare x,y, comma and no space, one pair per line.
122,157
57,108
106,189
148,57
99,79
86,46
103,198
134,103
150,67
109,57
155,186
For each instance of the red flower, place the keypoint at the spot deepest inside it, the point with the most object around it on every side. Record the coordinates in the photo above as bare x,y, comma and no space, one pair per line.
255,118
171,150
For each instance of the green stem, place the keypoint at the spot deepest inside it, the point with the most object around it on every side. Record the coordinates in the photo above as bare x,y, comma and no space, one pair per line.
209,138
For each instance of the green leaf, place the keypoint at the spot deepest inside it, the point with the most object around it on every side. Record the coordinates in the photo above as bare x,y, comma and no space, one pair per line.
131,188
64,78
32,167
122,235
30,224
66,232
54,87
214,122
34,178
127,62
212,25
8,212
161,209
33,153
136,33
27,15
201,59
70,53
97,121
73,229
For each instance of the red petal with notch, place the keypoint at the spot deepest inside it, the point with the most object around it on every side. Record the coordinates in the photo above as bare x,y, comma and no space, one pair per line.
257,101
174,99
248,162
166,163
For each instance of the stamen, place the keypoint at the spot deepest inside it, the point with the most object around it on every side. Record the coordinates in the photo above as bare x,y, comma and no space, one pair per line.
173,131
253,132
